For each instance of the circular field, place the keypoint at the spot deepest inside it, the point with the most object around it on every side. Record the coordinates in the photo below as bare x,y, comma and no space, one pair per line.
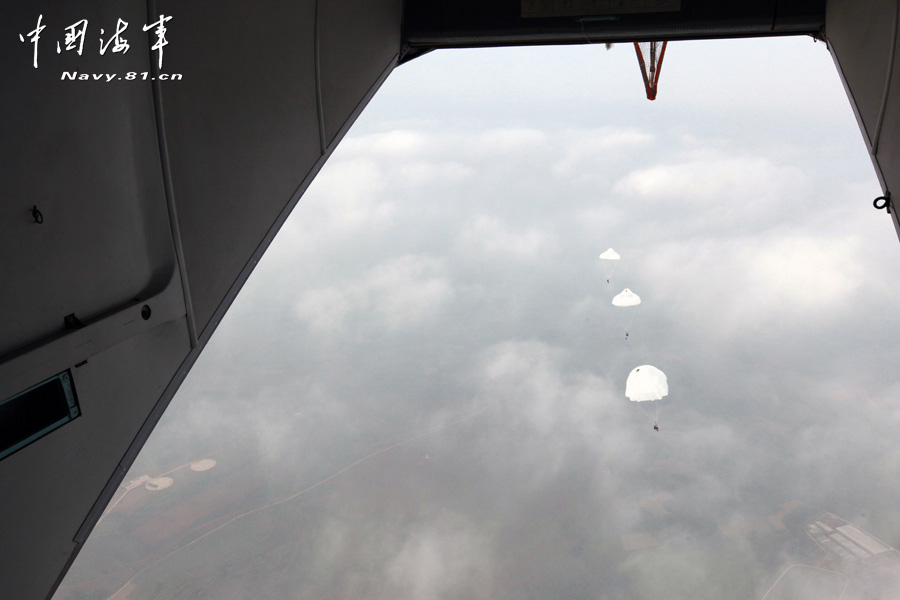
159,483
204,464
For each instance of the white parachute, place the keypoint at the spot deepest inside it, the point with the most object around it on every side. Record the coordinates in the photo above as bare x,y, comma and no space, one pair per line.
645,384
628,302
609,259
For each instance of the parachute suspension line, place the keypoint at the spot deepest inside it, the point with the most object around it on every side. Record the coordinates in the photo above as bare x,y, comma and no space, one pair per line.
646,383
650,57
627,303
609,256
633,313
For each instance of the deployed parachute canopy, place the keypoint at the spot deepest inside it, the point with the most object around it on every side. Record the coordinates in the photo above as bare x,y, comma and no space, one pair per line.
647,384
626,298
610,254
628,301
608,259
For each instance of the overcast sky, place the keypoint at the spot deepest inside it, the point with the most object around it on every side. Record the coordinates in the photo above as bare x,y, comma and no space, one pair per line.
420,391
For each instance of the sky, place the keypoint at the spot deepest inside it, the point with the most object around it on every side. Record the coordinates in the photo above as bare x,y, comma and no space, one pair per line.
419,393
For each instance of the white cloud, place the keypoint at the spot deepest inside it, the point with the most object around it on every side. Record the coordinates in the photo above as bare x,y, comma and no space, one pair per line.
739,286
402,292
343,200
409,158
813,275
509,141
447,555
726,188
489,236
407,290
549,412
584,151
419,173
392,145
323,310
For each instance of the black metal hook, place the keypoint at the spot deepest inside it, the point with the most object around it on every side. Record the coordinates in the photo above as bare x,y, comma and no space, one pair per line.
883,202
72,322
36,215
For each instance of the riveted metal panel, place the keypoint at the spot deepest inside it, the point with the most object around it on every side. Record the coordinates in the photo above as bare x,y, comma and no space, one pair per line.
241,127
51,485
358,40
80,146
860,41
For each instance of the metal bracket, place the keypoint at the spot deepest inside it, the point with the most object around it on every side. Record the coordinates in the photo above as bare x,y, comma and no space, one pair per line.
883,202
